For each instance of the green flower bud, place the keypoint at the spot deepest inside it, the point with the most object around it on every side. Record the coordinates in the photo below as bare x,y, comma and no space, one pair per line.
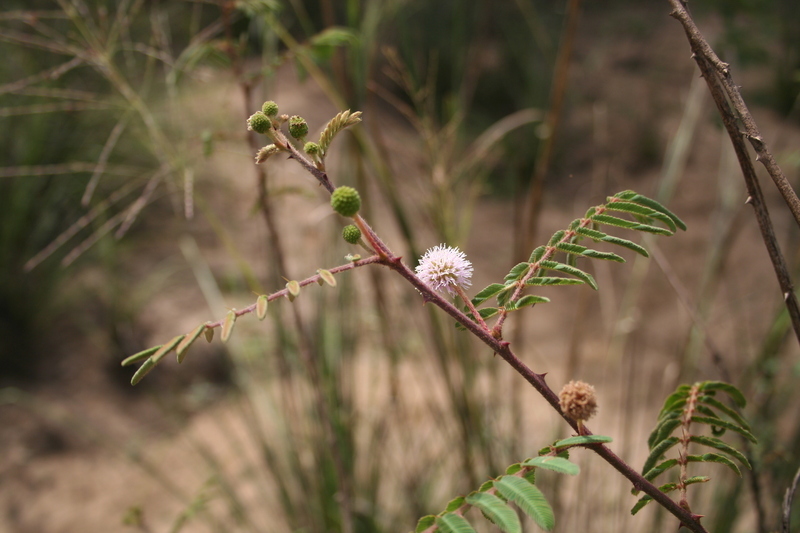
311,149
351,234
346,201
259,122
298,128
270,108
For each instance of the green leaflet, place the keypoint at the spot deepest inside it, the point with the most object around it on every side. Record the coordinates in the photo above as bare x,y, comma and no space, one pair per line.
490,291
453,523
735,394
166,348
664,429
656,471
673,401
525,301
644,500
513,468
578,273
556,464
529,498
714,442
637,209
183,347
142,371
718,422
546,281
454,504
584,439
556,238
697,479
714,458
144,354
518,271
710,400
577,249
536,254
496,511
657,452
424,523
608,220
632,196
596,236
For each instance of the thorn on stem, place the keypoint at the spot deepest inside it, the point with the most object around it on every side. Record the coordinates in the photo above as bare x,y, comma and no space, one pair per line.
749,200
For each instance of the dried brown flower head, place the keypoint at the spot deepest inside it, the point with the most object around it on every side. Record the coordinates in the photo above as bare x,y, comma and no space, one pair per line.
578,401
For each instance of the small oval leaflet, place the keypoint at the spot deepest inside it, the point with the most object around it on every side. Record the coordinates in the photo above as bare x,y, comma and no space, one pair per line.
327,277
227,326
261,307
293,290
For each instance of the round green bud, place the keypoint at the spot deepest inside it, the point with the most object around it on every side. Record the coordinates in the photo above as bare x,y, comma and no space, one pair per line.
311,148
346,201
351,234
298,128
259,122
270,108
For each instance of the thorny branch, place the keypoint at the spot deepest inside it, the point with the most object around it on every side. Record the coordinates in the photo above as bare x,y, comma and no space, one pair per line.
720,84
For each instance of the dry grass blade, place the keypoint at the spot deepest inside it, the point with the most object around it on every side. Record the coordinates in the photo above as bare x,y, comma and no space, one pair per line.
79,224
49,74
102,161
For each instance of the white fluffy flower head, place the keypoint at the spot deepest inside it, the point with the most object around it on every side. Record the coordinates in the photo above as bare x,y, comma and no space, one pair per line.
444,268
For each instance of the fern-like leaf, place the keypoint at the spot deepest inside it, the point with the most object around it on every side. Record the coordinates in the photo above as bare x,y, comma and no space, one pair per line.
496,511
529,498
343,120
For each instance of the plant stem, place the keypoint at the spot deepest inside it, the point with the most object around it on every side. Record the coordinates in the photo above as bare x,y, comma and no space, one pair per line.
722,88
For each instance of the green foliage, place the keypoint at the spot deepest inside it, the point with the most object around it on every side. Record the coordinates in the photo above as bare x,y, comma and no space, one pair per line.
494,497
679,411
646,213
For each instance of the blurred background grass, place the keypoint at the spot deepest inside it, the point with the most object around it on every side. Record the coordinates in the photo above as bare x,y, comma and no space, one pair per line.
131,212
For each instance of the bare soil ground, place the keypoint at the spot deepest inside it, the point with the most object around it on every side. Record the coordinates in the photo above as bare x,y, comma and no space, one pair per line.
80,451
